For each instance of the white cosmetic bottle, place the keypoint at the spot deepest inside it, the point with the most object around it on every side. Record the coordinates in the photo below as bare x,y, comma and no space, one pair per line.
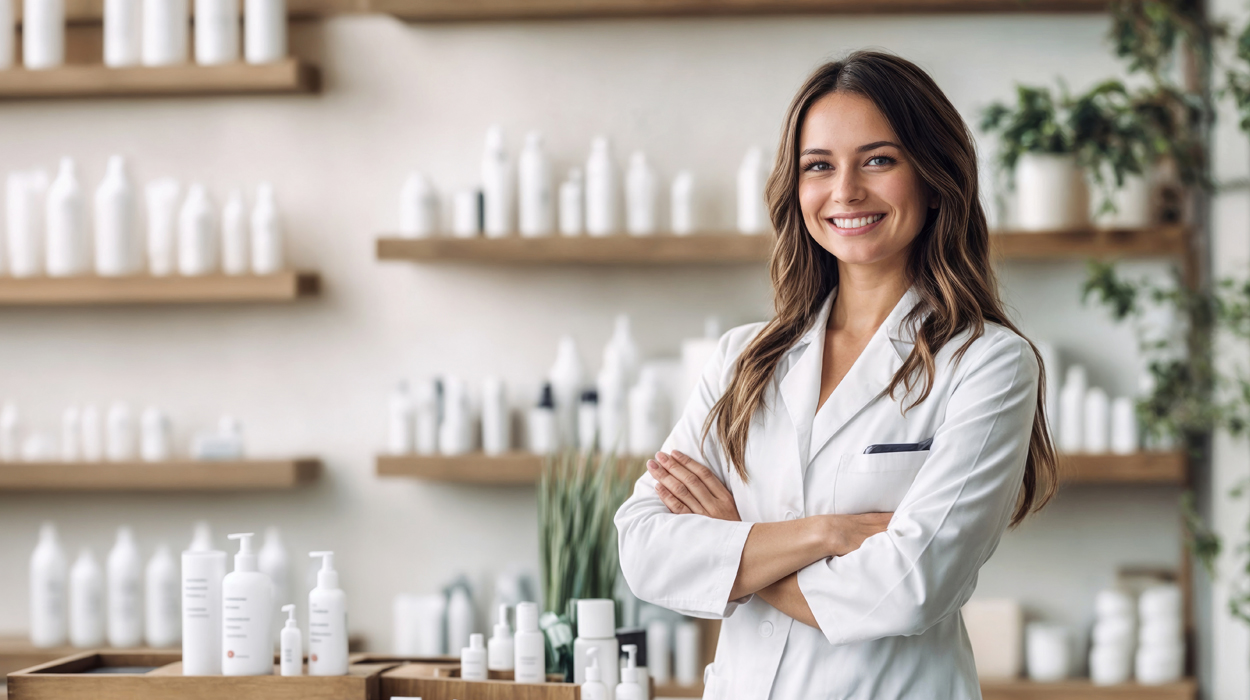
264,31
216,32
267,257
203,572
602,198
531,651
24,200
459,616
327,622
629,688
92,434
543,431
1096,413
537,211
125,592
593,688
400,421
613,408
596,628
162,619
166,26
659,651
43,34
473,660
496,186
418,207
455,430
71,435
66,218
1123,426
466,213
162,210
246,615
496,417
568,379
682,209
290,645
116,222
428,410
197,234
49,579
123,40
1071,410
8,38
752,213
648,414
588,421
234,239
641,217
86,602
10,440
273,562
501,652
121,443
572,204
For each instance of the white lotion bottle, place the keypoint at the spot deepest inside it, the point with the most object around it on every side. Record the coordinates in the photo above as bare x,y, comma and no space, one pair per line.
541,426
71,435
162,619
401,421
531,650
428,408
66,218
49,580
116,222
629,688
24,215
1123,426
572,204
216,32
327,622
497,195
473,660
155,436
593,688
92,434
641,189
197,234
568,379
500,651
267,257
659,651
537,210
459,617
123,40
10,447
455,430
43,34
496,418
203,571
8,37
1071,410
121,442
1096,433
264,31
166,26
648,414
602,198
682,208
418,207
246,615
86,602
752,213
162,210
125,592
596,628
613,409
466,213
290,645
235,260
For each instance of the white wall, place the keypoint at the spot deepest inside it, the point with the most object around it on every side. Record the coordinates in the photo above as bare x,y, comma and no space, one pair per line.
312,378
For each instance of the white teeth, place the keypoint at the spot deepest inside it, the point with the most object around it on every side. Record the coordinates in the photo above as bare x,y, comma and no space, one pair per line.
858,222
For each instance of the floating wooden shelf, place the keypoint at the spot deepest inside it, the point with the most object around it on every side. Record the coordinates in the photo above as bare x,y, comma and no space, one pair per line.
238,475
1137,468
92,11
17,653
287,76
735,248
459,10
512,469
146,289
1085,690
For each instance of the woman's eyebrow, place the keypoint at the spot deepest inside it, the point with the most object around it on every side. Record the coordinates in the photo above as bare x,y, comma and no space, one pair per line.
877,144
816,152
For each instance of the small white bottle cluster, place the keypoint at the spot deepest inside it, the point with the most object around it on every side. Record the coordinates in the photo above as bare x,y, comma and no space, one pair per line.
1115,629
593,199
1161,639
49,230
1083,418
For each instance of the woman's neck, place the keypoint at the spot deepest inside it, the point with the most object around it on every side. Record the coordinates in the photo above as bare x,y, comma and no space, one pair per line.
865,298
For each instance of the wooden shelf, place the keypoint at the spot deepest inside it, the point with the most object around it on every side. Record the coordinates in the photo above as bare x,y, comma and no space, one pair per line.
1137,468
237,475
513,469
145,289
1085,690
284,77
17,653
480,10
735,248
79,12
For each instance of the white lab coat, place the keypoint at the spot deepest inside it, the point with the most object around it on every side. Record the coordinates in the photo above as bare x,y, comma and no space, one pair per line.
889,611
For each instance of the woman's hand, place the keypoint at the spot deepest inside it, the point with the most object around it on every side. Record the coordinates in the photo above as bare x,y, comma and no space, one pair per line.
686,486
846,533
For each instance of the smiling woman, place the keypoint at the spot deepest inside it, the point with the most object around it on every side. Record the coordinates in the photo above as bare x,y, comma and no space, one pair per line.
860,455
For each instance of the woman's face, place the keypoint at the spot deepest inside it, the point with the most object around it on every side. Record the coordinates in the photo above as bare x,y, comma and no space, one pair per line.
861,198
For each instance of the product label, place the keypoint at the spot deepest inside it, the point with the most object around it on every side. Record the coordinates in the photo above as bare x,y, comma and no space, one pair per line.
195,598
237,615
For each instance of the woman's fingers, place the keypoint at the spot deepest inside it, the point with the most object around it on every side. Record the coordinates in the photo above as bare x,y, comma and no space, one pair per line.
685,482
704,474
675,488
673,503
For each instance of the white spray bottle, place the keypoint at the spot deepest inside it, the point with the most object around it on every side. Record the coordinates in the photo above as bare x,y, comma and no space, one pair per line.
628,688
291,660
246,609
593,688
327,622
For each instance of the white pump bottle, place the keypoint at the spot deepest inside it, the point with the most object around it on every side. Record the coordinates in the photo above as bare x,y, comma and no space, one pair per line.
49,578
593,688
327,622
247,606
291,660
629,688
500,651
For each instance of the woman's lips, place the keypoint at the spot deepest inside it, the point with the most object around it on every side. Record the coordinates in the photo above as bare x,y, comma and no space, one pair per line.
858,231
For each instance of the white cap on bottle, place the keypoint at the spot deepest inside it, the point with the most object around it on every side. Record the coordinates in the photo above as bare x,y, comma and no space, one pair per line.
596,618
526,617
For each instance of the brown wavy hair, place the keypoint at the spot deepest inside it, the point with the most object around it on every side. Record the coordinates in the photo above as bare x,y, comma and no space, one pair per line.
949,261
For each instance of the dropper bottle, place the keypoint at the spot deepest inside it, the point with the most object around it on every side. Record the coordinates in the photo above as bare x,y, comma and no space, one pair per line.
593,688
500,650
292,658
628,688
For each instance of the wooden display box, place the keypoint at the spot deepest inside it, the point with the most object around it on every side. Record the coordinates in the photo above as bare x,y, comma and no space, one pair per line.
157,675
440,680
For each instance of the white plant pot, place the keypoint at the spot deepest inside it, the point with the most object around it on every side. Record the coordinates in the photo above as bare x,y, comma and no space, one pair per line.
1050,193
1132,205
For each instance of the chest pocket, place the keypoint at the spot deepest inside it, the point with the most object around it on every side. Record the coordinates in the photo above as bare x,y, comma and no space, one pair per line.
875,483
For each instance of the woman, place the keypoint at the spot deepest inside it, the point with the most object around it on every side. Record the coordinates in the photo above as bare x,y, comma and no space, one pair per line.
843,471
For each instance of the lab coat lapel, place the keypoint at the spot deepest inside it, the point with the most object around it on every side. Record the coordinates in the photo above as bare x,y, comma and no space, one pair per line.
800,388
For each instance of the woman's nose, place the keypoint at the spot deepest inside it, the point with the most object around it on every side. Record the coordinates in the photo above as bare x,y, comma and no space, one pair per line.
847,187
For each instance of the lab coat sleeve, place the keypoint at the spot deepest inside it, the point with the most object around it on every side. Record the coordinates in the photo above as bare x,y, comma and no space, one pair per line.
924,567
687,563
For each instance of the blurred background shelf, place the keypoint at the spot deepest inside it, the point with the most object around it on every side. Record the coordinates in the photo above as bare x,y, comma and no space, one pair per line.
1085,690
16,653
736,248
91,290
92,11
516,468
291,76
1137,468
238,475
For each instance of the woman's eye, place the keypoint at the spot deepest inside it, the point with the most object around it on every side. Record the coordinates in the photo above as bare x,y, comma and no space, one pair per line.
881,160
816,165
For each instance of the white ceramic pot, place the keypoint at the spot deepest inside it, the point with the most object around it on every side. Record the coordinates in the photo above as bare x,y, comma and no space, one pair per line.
1160,665
1111,664
1050,193
1132,205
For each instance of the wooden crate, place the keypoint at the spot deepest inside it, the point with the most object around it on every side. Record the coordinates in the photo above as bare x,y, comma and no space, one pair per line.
157,675
440,680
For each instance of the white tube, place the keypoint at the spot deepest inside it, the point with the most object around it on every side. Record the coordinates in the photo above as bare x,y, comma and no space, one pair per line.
602,197
197,234
1096,432
86,602
683,215
536,210
466,213
202,573
92,434
43,34
641,217
497,186
166,25
267,244
162,610
752,213
216,32
65,212
162,206
122,436
686,654
400,421
1071,410
264,31
1123,426
123,41
572,204
71,435
24,216
125,592
659,652
496,417
116,222
418,207
155,436
428,408
234,237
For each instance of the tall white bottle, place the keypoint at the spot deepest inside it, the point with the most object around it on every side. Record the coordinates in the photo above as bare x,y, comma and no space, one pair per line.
497,187
49,578
752,212
216,32
568,379
1071,410
123,33
682,207
327,622
8,37
125,592
24,215
92,434
162,619
71,435
267,257
572,204
496,417
203,571
264,31
418,207
162,210
166,26
66,219
86,602
623,339
122,441
275,564
596,628
531,650
116,222
10,439
641,195
197,234
401,421
234,238
613,408
602,197
43,34
648,414
246,615
459,618
537,206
